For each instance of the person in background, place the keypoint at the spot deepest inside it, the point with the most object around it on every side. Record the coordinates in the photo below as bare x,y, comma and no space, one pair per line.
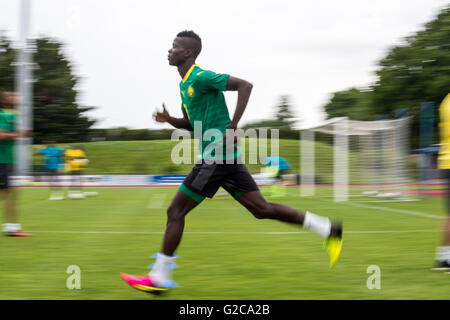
8,135
76,161
53,163
275,168
443,251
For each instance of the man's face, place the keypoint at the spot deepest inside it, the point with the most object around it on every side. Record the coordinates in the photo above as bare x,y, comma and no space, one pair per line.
10,99
177,54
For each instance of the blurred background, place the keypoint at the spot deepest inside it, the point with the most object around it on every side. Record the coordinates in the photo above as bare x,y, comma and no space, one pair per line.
98,71
353,87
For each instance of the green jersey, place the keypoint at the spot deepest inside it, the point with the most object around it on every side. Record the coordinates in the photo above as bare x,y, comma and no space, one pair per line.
7,123
203,100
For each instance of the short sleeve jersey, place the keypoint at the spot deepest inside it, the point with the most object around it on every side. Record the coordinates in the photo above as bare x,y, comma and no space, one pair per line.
203,100
52,157
8,124
72,155
444,153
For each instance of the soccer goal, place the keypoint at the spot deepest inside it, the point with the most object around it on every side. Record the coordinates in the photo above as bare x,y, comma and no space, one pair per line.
365,160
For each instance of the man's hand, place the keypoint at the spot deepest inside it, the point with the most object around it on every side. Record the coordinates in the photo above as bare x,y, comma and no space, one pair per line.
4,135
179,123
162,116
25,133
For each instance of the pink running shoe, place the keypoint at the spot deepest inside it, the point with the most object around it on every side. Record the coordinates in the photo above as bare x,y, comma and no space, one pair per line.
19,233
142,283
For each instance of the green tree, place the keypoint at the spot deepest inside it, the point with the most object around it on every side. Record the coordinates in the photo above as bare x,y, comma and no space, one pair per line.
56,113
7,57
284,112
415,72
353,103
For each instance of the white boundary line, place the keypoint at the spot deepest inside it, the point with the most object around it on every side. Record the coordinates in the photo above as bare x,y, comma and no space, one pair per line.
403,211
388,201
231,232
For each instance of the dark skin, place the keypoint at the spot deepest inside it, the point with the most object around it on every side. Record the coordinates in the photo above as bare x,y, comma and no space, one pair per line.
8,100
446,232
183,57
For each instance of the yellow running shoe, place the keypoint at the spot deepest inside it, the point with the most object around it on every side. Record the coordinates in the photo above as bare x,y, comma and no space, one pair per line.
334,243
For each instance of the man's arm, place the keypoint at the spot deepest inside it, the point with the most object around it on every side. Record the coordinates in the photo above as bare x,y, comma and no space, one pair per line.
244,88
5,135
179,123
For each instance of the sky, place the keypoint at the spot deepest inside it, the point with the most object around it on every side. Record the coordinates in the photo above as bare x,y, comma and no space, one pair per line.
304,49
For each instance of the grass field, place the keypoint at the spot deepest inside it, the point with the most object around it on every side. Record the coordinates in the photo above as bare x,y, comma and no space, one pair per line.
225,253
154,157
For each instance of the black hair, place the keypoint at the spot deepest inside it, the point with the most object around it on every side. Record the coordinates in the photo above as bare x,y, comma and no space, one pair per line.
195,46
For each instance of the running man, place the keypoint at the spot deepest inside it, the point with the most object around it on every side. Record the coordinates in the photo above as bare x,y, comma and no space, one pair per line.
443,251
8,135
53,163
203,103
76,161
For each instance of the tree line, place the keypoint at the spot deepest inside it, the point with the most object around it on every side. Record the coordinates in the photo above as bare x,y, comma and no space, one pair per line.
416,71
57,115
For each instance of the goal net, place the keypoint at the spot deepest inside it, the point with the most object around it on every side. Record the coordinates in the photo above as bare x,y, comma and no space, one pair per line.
361,159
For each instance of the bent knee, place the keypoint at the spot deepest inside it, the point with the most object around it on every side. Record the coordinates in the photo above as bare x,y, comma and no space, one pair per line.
173,214
263,212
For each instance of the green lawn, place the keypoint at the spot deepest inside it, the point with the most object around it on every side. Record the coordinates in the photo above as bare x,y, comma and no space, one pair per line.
225,253
154,157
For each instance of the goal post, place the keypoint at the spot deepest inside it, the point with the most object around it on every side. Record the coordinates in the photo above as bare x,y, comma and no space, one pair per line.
356,158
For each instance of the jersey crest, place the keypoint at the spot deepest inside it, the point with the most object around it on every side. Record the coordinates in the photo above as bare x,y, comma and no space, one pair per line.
191,92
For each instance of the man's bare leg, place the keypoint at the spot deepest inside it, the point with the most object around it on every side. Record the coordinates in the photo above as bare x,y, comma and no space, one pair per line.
181,205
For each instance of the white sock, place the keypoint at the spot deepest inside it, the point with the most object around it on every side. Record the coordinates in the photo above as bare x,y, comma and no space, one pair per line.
317,224
443,253
162,269
11,227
